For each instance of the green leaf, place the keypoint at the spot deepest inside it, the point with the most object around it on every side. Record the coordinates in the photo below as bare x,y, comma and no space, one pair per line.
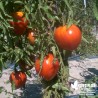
68,5
8,81
2,7
84,39
28,73
13,86
59,86
55,85
27,8
1,89
1,64
1,17
49,94
95,10
53,50
65,89
18,2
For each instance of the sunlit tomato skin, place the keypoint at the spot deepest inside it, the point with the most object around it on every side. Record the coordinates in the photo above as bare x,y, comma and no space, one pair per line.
68,38
49,68
30,36
19,27
18,78
18,15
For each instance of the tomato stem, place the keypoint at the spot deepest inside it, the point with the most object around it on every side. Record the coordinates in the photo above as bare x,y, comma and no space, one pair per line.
15,69
70,13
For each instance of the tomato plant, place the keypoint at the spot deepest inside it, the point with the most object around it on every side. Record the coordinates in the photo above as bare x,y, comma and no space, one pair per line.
45,15
18,79
68,38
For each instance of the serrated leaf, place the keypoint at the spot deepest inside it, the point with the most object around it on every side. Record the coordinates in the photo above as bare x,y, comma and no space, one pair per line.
1,6
1,63
49,94
59,86
27,9
28,73
18,2
68,5
13,86
84,39
1,89
56,17
65,89
8,81
26,15
53,50
49,16
55,85
95,11
1,16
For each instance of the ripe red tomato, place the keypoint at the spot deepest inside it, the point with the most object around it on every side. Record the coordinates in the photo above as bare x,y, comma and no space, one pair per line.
49,68
30,36
24,66
18,78
68,38
20,26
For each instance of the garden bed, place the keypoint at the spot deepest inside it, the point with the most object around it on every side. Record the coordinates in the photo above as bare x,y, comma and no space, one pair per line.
79,69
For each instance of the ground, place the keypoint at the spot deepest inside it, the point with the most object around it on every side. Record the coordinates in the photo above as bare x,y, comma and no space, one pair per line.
79,69
83,70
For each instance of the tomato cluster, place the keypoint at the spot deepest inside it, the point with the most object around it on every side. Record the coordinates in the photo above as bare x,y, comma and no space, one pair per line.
20,26
67,38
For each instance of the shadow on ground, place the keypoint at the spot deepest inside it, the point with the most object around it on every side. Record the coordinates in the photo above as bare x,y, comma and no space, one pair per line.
32,91
93,70
90,73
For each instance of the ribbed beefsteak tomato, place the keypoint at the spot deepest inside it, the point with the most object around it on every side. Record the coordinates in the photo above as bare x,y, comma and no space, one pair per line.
68,38
20,26
49,68
18,78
